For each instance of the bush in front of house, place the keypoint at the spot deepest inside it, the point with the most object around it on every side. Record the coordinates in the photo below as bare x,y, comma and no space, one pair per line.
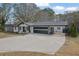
73,30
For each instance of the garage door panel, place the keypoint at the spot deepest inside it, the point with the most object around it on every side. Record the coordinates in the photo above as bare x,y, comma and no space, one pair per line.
38,31
43,30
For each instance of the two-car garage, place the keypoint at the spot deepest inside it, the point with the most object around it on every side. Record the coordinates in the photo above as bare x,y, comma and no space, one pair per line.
48,27
41,29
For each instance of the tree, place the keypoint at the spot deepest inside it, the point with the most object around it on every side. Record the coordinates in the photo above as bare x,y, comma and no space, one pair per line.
25,12
46,14
50,13
4,14
62,17
72,16
73,30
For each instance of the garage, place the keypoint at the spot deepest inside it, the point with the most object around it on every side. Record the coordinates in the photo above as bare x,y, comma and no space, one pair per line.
48,27
40,29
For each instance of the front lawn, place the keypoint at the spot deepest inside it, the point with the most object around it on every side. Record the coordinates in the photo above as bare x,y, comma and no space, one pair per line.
6,34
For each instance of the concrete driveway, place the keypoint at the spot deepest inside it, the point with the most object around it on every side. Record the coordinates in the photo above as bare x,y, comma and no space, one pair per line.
33,42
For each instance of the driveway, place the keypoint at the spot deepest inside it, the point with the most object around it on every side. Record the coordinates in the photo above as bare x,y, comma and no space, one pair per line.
33,42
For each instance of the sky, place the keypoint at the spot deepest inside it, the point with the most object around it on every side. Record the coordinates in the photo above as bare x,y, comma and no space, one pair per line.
60,8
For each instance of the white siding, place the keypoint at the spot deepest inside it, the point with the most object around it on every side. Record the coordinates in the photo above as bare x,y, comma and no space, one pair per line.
21,28
15,29
58,28
8,28
49,30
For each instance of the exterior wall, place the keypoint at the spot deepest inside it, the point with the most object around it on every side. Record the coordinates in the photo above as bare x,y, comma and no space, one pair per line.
15,29
9,28
20,29
6,29
49,29
58,28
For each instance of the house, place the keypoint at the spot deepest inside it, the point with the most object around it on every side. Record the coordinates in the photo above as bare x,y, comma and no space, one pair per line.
38,27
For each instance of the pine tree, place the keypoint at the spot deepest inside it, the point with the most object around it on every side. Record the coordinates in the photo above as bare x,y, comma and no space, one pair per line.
73,30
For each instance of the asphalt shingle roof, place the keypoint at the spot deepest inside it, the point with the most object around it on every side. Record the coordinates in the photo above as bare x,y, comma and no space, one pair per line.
44,23
51,23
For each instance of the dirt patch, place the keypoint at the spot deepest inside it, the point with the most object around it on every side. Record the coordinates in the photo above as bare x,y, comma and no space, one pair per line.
71,47
24,53
6,34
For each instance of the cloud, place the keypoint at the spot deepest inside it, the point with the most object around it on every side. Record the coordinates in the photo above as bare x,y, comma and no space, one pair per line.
72,9
42,4
62,9
59,8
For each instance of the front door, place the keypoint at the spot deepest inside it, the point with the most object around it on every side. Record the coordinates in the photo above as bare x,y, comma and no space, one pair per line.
24,29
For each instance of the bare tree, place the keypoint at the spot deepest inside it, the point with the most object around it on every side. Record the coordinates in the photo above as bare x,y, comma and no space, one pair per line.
25,12
4,14
46,14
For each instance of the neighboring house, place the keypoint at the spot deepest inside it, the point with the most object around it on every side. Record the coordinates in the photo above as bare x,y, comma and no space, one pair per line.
38,27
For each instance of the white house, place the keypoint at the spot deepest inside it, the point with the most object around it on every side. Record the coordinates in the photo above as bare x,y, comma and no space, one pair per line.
38,27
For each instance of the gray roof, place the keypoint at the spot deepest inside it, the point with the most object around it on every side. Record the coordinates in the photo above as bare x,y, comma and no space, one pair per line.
54,23
50,23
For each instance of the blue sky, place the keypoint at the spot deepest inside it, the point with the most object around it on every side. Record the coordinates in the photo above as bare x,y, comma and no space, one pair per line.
60,7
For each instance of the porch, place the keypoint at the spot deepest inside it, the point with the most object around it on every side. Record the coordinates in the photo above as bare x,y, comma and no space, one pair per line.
23,28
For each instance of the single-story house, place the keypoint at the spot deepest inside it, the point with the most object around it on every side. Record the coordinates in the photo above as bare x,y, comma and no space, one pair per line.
38,27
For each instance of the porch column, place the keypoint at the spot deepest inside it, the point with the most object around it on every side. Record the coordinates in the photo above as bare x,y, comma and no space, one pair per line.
21,29
49,30
31,29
